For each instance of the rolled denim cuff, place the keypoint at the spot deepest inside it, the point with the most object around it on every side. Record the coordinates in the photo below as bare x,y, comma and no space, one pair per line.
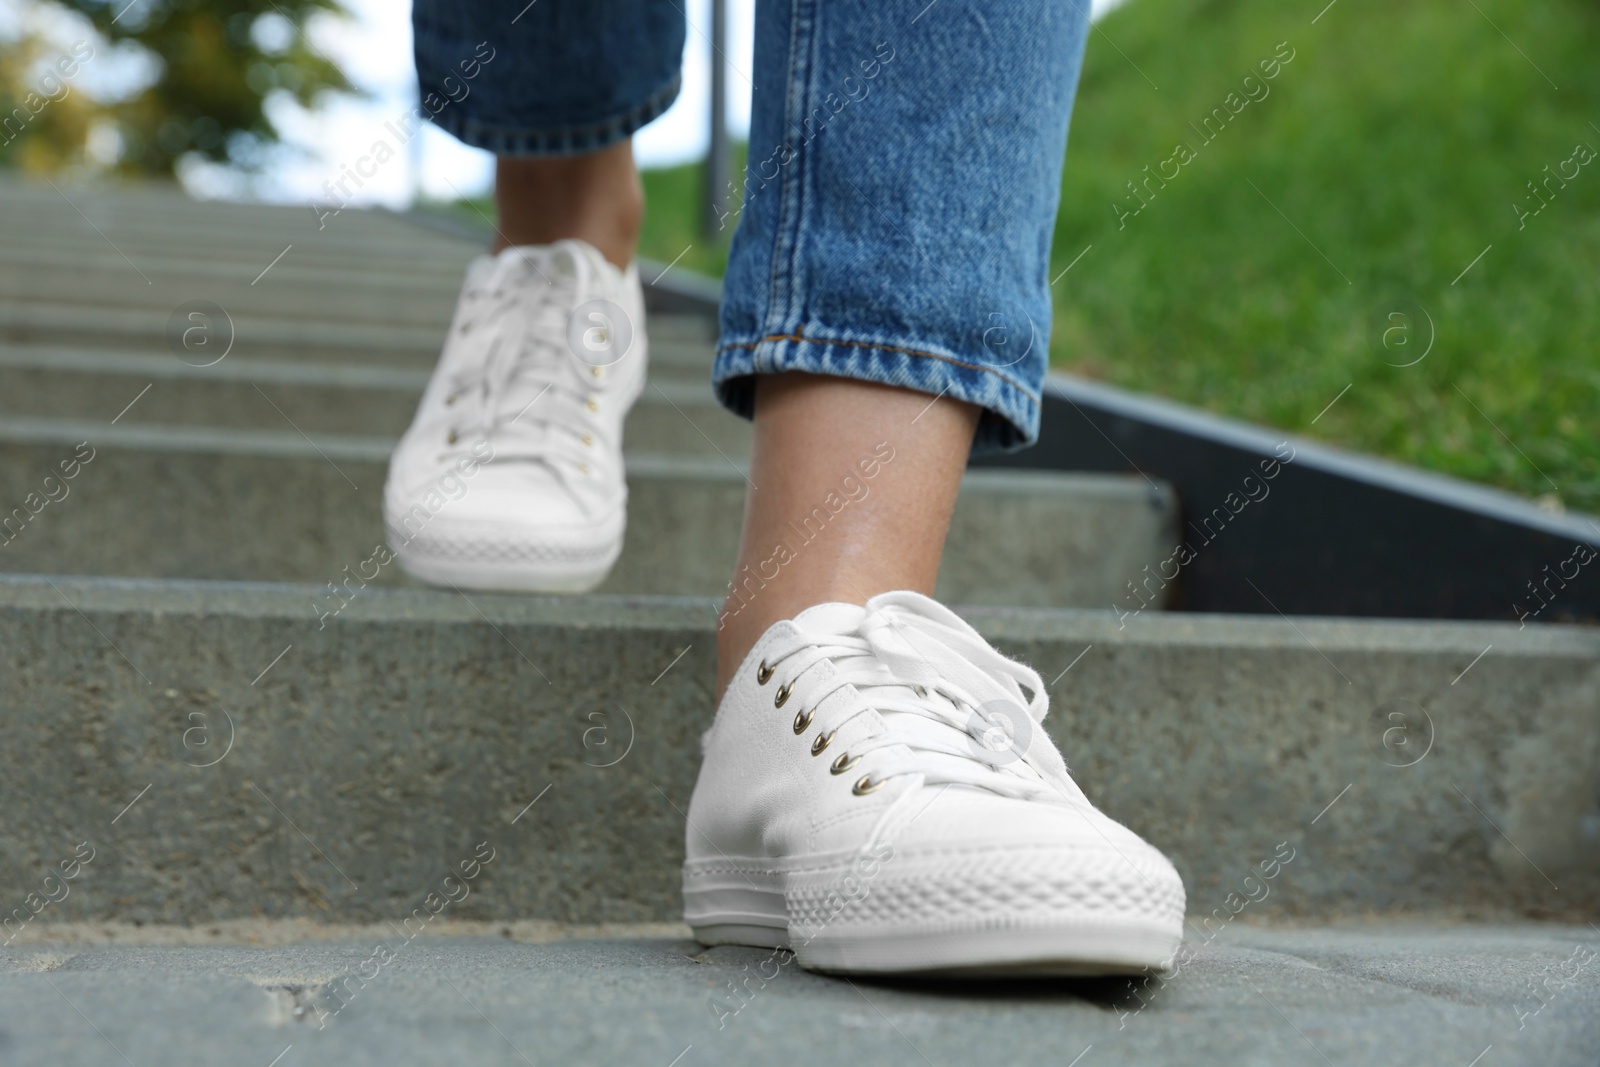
511,140
1010,418
899,200
557,77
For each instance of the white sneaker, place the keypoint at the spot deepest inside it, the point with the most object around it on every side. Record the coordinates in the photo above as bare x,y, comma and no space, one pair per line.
861,803
511,475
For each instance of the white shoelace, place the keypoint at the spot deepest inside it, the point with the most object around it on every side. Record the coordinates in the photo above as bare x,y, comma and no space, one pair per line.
955,708
520,386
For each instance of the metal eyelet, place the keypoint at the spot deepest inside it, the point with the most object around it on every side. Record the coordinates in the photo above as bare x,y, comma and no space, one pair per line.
865,785
781,697
844,762
802,721
822,742
763,673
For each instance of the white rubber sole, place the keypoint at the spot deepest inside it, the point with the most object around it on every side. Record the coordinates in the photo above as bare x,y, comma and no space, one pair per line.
1063,948
505,576
575,562
990,943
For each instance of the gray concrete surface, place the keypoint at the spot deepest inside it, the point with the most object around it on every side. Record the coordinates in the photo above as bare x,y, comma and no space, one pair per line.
144,250
276,337
359,297
349,761
676,414
1412,995
106,268
680,345
203,502
151,220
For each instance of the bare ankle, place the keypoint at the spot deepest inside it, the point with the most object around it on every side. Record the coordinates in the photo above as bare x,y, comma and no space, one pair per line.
857,483
595,197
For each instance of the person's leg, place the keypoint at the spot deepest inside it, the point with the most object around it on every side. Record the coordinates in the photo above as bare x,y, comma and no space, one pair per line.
885,310
889,460
556,92
594,197
511,473
900,195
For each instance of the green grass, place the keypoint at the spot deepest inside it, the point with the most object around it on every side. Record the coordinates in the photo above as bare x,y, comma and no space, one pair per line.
1395,141
673,198
1393,144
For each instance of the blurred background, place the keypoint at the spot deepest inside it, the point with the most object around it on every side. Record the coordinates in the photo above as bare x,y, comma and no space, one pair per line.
1427,155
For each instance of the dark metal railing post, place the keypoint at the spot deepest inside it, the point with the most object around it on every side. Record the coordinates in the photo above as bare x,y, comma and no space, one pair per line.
717,163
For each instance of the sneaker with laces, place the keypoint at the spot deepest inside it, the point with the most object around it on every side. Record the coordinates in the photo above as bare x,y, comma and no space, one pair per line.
511,475
878,795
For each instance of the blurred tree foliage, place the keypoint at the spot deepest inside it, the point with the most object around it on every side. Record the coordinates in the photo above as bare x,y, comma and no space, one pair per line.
44,121
216,62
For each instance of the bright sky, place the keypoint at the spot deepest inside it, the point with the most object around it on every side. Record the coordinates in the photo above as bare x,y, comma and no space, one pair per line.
374,50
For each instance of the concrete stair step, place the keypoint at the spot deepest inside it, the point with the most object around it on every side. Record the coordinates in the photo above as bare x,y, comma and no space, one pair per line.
207,502
35,334
1371,994
164,214
230,755
400,250
360,268
356,299
676,414
161,251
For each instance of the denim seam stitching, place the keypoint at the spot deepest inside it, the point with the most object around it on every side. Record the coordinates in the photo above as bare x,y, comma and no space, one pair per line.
786,236
805,174
652,107
1023,389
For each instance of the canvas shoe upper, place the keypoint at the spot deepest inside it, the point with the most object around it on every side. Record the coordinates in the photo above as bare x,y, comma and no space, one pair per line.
511,474
879,794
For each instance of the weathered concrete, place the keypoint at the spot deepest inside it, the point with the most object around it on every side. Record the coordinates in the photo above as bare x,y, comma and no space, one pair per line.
351,761
678,343
200,502
400,253
357,299
150,219
1370,995
112,266
404,253
676,414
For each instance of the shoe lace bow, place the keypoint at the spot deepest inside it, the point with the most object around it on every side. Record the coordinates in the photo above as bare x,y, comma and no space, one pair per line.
520,390
954,709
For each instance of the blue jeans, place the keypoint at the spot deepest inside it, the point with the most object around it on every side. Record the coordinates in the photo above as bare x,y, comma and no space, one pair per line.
903,176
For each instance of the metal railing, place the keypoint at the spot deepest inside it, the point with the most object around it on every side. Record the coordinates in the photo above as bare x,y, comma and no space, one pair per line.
718,164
